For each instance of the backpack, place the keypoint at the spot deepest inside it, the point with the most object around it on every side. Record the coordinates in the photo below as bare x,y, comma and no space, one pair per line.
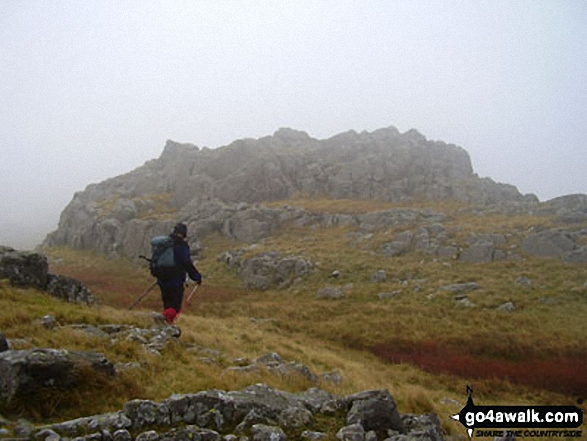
162,263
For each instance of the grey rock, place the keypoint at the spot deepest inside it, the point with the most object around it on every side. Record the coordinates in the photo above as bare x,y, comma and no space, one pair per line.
379,277
572,202
313,436
352,432
330,293
272,270
486,238
464,301
478,253
47,435
523,280
272,357
550,243
121,435
145,413
423,427
320,401
25,372
507,307
388,295
68,289
49,322
23,268
112,422
576,256
332,377
384,164
252,418
275,364
150,435
461,287
449,252
374,410
295,417
262,432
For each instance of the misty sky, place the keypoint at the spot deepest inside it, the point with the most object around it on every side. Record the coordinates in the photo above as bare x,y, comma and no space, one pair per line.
92,89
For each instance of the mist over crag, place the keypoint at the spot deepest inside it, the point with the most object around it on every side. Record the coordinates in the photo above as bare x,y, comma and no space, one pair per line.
203,186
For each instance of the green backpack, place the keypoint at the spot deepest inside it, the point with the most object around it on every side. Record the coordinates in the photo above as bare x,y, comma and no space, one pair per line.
162,262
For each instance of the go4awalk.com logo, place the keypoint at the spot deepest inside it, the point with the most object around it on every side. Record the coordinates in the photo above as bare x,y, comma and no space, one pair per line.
520,421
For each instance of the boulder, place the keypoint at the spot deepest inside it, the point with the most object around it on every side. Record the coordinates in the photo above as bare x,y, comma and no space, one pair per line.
112,422
424,427
549,243
271,270
267,412
374,410
352,432
24,372
145,413
478,253
68,289
262,432
23,268
507,307
330,293
379,277
576,256
461,287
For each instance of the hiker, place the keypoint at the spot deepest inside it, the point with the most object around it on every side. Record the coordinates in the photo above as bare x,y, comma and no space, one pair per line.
172,286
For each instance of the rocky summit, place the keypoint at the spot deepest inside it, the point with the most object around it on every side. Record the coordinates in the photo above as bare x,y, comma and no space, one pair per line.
216,190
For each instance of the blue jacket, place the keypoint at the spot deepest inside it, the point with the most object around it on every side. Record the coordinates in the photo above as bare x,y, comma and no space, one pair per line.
185,266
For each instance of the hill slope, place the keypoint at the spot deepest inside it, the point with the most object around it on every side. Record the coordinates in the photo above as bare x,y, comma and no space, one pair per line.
203,187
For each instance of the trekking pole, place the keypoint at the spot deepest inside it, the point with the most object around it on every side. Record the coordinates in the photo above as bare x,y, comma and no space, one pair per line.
186,302
142,296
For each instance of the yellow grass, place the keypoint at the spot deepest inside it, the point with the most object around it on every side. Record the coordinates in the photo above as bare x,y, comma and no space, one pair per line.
329,335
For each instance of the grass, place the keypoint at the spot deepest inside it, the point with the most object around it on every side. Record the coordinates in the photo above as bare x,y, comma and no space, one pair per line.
419,345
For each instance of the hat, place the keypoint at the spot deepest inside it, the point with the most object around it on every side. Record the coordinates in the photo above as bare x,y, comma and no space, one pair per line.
181,228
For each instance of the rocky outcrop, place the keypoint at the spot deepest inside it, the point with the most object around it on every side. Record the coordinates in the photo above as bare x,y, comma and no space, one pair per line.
274,364
206,188
68,289
550,243
23,373
23,268
257,412
268,270
29,269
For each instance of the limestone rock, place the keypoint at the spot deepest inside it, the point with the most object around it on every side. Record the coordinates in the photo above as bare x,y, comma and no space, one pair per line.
379,277
68,289
374,410
576,256
23,268
273,270
461,287
262,432
204,188
24,372
550,243
330,293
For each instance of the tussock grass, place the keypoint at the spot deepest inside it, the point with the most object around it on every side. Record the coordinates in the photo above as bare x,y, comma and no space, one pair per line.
420,345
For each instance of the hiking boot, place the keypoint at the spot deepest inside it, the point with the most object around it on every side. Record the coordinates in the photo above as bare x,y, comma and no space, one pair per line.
158,317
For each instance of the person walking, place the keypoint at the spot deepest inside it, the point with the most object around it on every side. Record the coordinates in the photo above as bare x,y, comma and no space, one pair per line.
172,286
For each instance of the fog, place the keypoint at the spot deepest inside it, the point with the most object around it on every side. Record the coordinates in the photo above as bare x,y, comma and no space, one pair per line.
93,89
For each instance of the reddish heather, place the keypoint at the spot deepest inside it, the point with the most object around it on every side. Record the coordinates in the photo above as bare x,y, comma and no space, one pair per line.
564,374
